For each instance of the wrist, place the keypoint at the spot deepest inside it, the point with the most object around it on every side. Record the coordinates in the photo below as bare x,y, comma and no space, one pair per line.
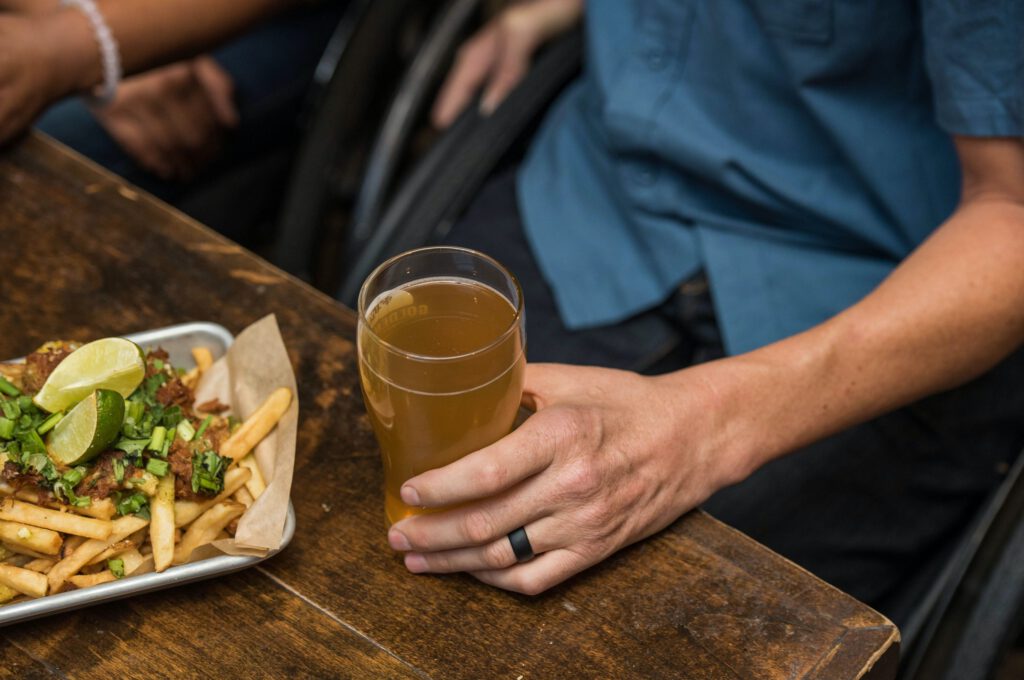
715,419
71,54
544,19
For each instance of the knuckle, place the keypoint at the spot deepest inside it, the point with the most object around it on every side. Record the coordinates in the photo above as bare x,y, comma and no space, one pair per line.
493,476
594,518
478,527
498,555
529,584
581,478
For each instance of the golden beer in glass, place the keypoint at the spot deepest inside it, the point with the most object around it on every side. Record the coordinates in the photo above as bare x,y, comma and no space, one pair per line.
442,359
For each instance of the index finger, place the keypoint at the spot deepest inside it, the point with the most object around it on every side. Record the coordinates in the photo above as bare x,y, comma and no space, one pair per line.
468,73
491,470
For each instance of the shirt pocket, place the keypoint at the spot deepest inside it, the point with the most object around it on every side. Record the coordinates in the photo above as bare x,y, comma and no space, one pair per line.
808,21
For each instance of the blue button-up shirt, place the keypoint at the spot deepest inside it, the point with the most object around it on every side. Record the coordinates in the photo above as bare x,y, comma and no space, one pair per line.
796,150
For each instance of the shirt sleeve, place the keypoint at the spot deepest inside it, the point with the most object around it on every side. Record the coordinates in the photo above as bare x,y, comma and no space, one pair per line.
974,53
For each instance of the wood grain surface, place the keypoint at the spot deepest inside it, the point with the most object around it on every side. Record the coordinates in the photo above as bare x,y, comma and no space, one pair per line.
84,256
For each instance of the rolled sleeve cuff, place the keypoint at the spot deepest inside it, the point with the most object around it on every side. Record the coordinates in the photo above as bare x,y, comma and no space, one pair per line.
988,117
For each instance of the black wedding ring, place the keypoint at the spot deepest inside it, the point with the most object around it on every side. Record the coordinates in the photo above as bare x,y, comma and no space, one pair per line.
520,545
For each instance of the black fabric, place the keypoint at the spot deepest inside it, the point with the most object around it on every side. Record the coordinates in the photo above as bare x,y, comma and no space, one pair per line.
866,510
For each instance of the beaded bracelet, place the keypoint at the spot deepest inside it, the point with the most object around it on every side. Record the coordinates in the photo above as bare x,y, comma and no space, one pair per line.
110,54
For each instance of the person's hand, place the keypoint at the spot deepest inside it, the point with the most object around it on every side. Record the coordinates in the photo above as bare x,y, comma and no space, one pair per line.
498,56
28,81
172,120
608,458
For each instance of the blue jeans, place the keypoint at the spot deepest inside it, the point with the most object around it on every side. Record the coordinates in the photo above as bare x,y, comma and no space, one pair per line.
869,509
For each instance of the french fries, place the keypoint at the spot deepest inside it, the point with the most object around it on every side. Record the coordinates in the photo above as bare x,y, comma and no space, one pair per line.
256,484
41,564
161,528
203,358
258,425
206,528
186,511
42,541
26,513
86,580
48,545
102,508
71,565
25,581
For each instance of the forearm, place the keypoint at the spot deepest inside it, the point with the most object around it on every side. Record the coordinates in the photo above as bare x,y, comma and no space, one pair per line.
148,32
29,6
948,313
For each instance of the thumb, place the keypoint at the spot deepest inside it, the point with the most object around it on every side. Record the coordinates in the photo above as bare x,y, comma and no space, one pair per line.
219,89
544,385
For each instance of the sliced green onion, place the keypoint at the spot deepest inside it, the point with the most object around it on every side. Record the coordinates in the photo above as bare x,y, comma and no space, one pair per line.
186,431
202,428
135,411
157,467
73,476
50,422
168,440
8,388
6,428
156,442
207,483
116,567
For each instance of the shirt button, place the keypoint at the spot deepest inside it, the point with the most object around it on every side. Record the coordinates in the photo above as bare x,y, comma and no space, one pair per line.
655,59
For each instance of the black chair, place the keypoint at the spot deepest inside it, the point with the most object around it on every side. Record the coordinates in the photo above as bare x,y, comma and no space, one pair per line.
353,88
973,611
965,610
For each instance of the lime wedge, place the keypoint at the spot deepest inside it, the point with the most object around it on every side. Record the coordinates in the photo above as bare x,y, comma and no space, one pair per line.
109,364
89,428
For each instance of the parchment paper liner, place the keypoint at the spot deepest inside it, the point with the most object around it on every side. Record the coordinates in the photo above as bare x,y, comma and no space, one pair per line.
255,365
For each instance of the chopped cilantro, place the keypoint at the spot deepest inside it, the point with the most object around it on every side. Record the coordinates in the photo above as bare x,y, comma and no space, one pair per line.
132,504
208,471
131,446
10,409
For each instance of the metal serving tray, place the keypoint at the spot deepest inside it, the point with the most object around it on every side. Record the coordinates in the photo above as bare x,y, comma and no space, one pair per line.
178,341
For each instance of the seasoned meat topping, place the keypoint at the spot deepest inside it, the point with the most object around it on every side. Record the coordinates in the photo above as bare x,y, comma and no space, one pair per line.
101,480
212,406
174,393
20,479
40,364
180,458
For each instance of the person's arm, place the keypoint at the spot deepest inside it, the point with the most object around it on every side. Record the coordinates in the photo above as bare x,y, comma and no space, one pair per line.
611,457
152,32
47,56
29,6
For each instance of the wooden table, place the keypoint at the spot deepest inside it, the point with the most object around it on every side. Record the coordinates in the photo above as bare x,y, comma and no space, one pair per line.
84,256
